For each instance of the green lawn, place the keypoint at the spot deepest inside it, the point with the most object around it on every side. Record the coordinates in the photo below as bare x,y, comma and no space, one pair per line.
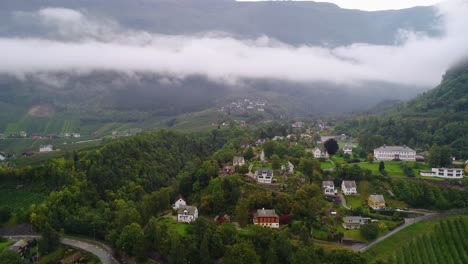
354,234
386,248
393,168
354,201
326,165
180,228
4,245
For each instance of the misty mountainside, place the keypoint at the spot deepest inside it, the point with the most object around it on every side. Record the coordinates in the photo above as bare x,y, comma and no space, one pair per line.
296,23
146,100
436,117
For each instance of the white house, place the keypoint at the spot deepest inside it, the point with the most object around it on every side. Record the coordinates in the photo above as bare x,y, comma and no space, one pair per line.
2,156
179,202
328,188
238,161
277,138
348,150
394,153
264,175
46,148
318,153
354,222
349,187
289,167
187,214
298,125
449,173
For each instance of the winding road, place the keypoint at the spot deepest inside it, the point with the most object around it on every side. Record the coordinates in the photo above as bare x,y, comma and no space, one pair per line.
103,252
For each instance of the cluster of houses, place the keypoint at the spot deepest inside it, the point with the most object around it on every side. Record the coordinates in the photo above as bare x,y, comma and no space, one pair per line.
243,106
375,201
447,173
35,135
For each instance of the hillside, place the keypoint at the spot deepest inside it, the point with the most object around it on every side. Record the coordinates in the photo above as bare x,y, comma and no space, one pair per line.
438,117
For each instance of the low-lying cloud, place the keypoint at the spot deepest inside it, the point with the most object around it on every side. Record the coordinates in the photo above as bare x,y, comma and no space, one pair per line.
78,42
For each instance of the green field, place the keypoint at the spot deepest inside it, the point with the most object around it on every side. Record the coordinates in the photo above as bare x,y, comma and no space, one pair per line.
415,243
180,228
393,168
326,165
4,245
354,201
18,198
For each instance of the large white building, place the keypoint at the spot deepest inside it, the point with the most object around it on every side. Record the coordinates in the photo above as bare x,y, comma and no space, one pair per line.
449,173
264,175
187,214
394,153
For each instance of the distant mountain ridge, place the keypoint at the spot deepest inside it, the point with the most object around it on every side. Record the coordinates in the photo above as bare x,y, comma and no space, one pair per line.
292,22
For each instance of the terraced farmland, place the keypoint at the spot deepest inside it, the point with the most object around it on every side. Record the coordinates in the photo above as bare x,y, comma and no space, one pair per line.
18,199
446,243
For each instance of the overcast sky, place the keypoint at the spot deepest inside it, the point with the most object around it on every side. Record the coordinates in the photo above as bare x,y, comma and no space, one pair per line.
89,43
372,5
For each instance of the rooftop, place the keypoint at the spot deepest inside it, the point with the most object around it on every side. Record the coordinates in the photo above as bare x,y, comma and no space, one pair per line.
394,148
349,184
190,209
377,198
266,213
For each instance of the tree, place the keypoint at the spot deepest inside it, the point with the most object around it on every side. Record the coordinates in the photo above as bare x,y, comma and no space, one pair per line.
241,253
49,241
130,240
269,148
439,156
381,166
331,146
242,212
10,257
249,154
304,255
275,162
369,231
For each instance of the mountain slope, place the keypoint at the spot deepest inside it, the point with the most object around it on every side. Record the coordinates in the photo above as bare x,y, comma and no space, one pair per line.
439,116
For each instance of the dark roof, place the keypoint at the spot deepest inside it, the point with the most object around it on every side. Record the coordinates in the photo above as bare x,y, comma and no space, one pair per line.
327,183
349,184
265,213
191,209
262,170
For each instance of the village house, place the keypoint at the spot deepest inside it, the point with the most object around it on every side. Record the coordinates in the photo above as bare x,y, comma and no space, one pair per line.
320,153
46,148
3,156
349,187
354,222
289,168
348,150
179,202
264,175
449,173
266,218
298,125
187,214
394,153
238,161
328,188
227,170
278,138
36,135
376,201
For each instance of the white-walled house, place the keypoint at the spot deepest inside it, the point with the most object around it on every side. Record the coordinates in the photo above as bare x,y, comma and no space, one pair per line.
289,167
46,148
264,175
187,214
349,187
354,222
348,150
448,173
328,188
319,153
179,202
238,161
394,153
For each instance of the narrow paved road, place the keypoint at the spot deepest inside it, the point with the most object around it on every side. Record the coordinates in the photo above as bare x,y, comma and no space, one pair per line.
103,252
105,255
343,200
